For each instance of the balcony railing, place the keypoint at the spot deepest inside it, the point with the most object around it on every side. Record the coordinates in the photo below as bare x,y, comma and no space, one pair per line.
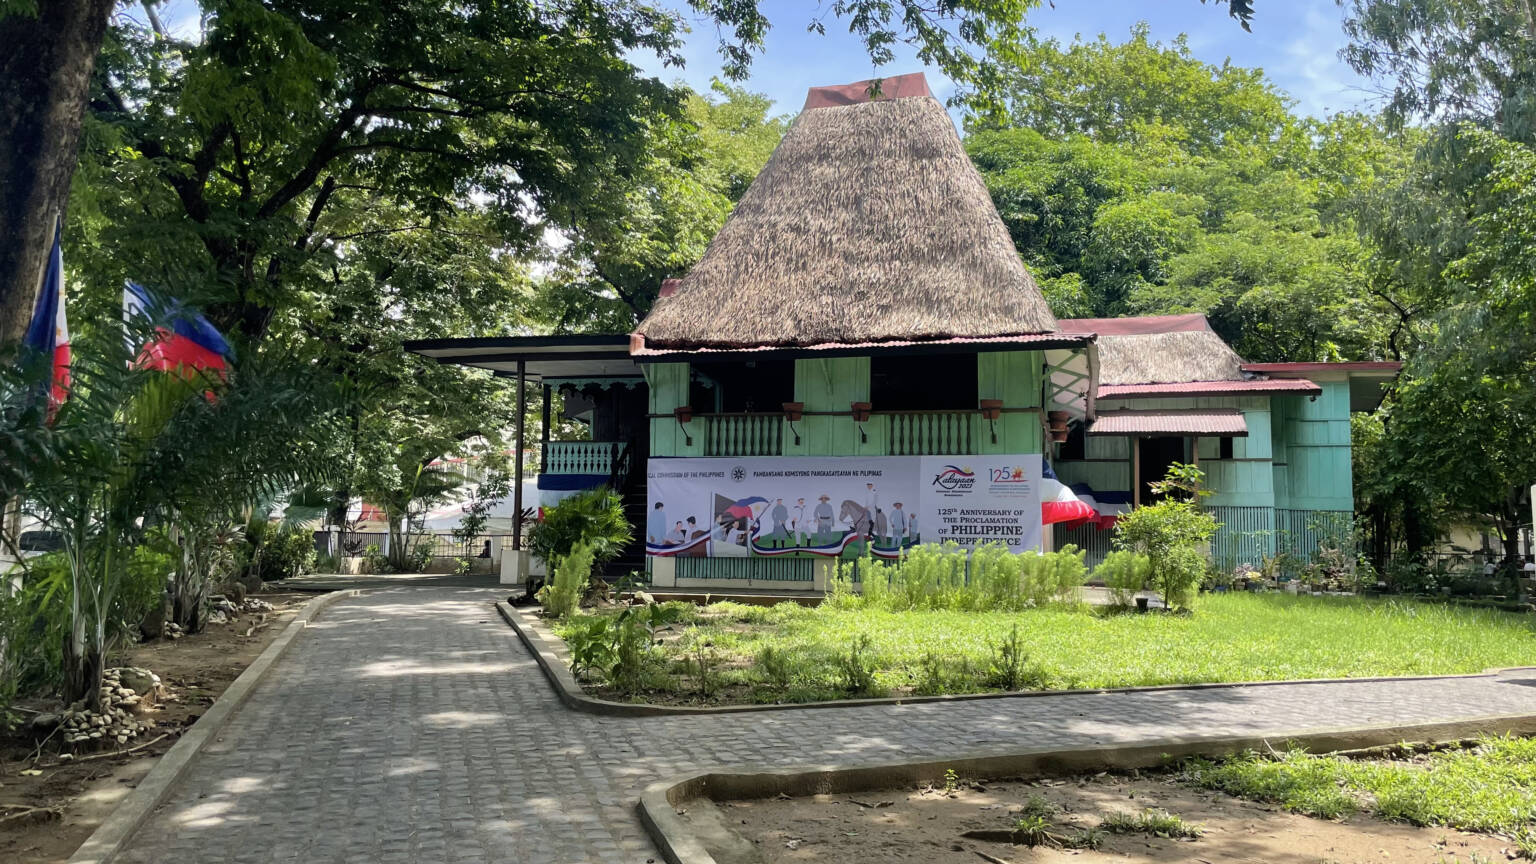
743,434
907,433
925,433
582,457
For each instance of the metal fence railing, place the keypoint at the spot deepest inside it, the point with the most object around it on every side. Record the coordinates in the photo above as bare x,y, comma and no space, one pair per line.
354,544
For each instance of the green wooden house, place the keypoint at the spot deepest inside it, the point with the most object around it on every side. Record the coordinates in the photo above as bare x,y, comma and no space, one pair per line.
863,316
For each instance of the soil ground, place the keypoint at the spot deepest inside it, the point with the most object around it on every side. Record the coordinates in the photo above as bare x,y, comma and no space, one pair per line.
194,670
926,825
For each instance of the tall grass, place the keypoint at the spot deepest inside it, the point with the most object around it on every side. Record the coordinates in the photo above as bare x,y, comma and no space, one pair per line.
946,577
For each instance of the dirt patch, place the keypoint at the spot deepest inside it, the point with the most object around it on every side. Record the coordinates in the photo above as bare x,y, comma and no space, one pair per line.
927,826
69,799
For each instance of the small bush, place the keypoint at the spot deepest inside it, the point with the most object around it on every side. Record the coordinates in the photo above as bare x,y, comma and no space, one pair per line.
1174,534
280,552
1011,669
776,667
946,576
595,519
1158,823
856,668
1124,574
562,596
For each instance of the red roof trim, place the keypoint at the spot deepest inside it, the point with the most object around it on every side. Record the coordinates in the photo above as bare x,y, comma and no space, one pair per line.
637,346
893,87
1198,388
1357,366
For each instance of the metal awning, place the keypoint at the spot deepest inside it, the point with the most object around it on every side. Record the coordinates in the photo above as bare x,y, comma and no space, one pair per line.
543,357
1212,422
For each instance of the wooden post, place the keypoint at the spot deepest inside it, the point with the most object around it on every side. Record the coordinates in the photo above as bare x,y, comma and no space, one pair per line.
544,435
517,480
1194,452
1135,472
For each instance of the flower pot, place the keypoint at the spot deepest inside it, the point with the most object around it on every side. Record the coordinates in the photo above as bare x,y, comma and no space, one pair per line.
683,413
793,411
991,409
861,411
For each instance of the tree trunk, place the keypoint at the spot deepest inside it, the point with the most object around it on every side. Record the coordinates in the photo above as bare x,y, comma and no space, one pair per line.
82,667
45,74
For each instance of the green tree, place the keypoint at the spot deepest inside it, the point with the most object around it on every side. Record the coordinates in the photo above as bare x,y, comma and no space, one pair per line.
664,214
1450,60
1119,92
1207,195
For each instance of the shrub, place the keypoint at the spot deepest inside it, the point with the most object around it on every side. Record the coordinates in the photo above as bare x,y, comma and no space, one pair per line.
856,668
274,551
1173,534
776,666
1051,577
594,519
563,595
1011,669
946,576
1123,573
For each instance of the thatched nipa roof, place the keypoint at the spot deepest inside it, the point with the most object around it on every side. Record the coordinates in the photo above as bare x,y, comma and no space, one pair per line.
1160,349
868,224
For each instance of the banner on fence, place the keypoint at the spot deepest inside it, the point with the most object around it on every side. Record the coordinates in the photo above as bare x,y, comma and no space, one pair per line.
839,506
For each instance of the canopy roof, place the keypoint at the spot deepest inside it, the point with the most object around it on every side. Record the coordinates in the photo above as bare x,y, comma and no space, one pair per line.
868,225
1218,422
595,356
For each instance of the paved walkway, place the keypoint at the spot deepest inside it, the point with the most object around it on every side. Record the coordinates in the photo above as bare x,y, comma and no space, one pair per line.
410,725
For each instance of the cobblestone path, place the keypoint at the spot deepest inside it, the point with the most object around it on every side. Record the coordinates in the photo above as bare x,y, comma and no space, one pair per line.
411,725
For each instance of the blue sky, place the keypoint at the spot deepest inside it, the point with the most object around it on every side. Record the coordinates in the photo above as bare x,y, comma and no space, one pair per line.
1296,42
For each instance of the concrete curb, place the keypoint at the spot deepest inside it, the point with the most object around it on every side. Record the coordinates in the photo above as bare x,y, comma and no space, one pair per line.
114,833
549,650
679,844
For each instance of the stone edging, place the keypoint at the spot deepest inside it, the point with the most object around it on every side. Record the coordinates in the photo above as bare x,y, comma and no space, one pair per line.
678,844
113,834
550,652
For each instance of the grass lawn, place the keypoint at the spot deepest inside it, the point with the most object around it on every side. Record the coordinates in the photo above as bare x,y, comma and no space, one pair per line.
1490,787
788,653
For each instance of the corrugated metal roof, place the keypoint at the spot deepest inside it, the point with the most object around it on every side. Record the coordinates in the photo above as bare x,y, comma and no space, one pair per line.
1215,422
1050,340
1207,388
1385,366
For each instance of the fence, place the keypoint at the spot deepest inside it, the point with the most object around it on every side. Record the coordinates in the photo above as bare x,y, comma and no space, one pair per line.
443,545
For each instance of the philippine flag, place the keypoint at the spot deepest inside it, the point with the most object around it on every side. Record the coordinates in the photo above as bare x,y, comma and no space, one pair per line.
183,338
1059,505
1108,505
48,332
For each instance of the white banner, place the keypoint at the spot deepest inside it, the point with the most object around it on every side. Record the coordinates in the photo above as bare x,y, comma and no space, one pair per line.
839,505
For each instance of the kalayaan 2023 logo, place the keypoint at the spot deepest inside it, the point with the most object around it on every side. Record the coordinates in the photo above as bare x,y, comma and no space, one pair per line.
955,479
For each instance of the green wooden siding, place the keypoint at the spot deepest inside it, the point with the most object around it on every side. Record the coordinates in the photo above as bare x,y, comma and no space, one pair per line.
1312,450
668,383
833,384
1015,378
